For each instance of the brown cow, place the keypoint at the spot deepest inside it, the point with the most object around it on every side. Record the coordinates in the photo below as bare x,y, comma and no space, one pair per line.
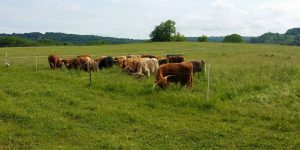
68,62
83,62
174,72
175,59
199,66
170,55
148,56
146,66
162,61
54,61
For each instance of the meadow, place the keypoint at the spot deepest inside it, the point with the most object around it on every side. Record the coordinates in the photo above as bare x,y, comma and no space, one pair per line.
253,100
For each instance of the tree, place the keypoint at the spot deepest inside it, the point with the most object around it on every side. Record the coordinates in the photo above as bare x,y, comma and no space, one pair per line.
163,32
233,38
178,37
294,32
202,38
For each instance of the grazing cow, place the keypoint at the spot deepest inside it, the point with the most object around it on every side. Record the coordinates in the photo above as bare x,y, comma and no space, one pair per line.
94,66
148,56
170,55
175,59
163,61
129,64
85,55
84,62
198,66
106,62
146,66
117,59
54,61
134,56
68,62
174,72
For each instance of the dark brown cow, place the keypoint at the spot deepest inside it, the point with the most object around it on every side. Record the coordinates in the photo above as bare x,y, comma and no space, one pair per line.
54,61
175,59
148,56
163,61
198,66
170,55
174,72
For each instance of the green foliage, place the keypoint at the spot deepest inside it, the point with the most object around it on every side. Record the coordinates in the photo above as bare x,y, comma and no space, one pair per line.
163,32
291,37
48,42
294,32
51,38
178,37
253,101
202,38
233,38
15,42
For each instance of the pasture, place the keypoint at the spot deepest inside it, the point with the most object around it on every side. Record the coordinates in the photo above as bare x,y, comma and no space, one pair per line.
253,100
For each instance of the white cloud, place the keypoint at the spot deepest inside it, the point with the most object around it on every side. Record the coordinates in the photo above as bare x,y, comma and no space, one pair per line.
137,18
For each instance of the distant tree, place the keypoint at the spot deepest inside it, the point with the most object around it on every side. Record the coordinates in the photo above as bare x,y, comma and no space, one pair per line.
294,32
163,32
15,42
202,38
233,38
178,37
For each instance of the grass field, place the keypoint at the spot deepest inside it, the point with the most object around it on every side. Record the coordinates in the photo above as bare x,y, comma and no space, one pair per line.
254,101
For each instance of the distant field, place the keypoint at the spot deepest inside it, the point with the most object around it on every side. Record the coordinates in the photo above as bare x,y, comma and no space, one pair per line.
254,100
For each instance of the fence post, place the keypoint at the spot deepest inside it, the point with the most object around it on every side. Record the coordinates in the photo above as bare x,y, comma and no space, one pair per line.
90,72
5,61
208,74
36,63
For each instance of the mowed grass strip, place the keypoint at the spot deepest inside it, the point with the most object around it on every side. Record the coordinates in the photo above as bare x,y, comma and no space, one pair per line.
254,101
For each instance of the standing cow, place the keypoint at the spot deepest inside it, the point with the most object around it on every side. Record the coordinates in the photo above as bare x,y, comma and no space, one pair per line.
106,62
174,72
54,61
175,59
199,66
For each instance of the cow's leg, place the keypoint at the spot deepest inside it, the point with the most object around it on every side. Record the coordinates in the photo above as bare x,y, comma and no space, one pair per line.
51,65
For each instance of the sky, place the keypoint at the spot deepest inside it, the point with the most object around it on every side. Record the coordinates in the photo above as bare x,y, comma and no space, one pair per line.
137,18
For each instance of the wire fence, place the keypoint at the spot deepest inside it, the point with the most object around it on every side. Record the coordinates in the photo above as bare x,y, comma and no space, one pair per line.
164,52
8,60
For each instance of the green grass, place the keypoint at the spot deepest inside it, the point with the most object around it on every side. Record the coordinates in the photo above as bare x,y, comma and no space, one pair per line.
254,101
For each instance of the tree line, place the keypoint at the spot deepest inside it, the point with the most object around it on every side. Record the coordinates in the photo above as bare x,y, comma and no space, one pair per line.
58,39
291,37
164,32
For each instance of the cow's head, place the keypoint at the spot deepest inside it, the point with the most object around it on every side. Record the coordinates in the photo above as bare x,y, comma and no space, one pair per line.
163,82
67,63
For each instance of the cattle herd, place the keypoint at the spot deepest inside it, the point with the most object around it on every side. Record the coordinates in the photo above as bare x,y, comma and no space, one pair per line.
173,68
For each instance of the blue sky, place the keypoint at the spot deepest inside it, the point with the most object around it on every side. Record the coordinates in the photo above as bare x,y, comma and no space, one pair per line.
137,18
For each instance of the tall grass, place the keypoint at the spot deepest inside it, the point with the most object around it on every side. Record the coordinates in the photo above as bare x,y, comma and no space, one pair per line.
254,101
